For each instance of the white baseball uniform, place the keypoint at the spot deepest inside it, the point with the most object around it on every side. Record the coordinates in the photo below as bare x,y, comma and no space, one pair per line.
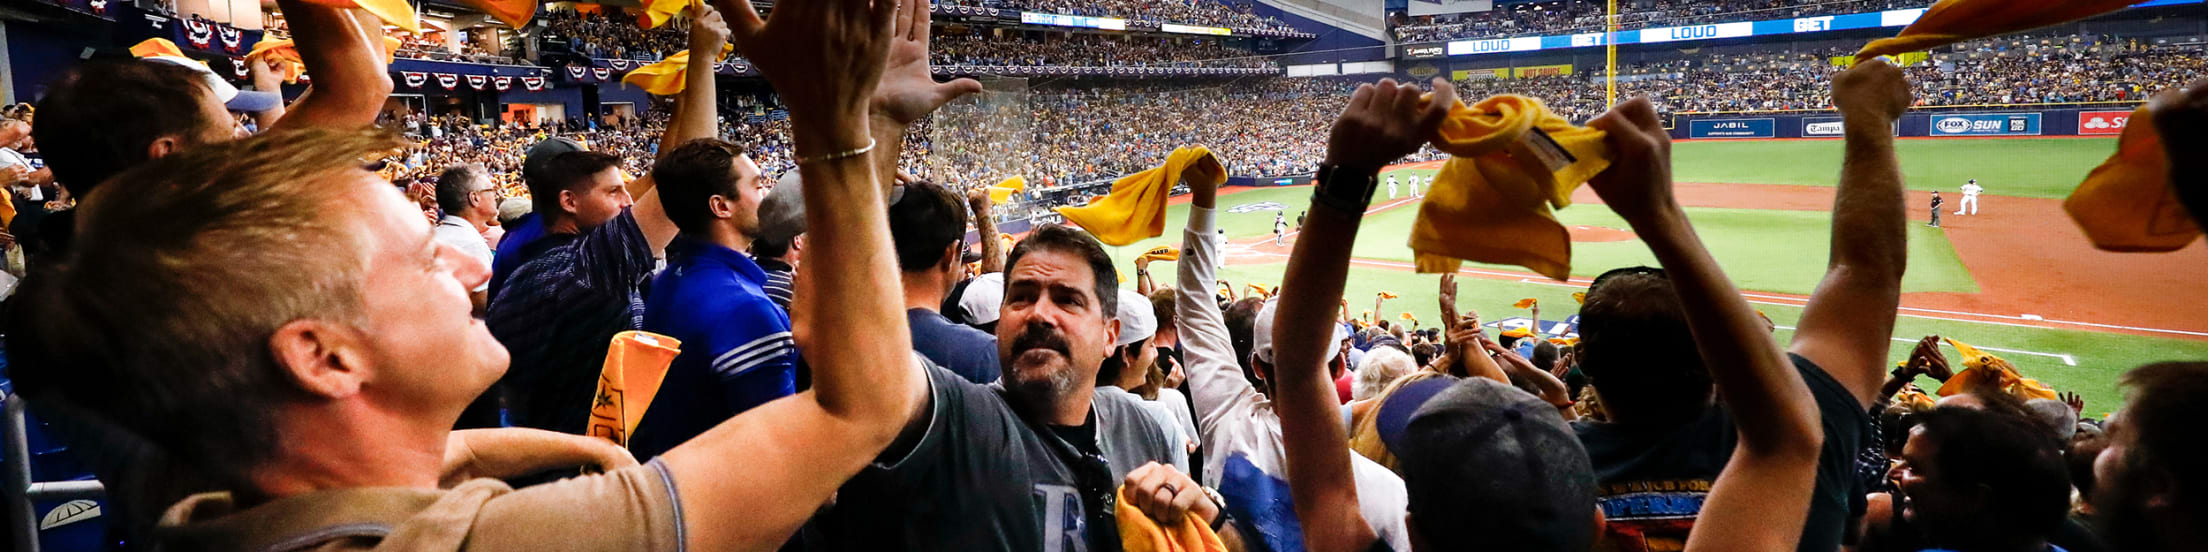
1969,205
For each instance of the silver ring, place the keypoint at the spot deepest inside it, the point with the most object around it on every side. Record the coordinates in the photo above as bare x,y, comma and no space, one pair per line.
1169,489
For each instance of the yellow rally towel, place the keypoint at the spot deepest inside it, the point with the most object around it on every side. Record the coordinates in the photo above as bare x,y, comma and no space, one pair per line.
1004,190
635,365
1580,297
1261,290
1914,398
156,47
1408,316
1526,303
1982,369
515,13
1164,253
1951,21
665,78
1138,533
283,55
2127,204
1388,295
1491,203
395,12
659,12
1135,209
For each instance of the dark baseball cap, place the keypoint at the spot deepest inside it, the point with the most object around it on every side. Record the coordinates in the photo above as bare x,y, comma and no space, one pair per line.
1488,462
782,212
533,165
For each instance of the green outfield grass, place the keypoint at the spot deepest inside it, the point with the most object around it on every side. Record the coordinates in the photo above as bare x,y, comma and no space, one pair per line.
1775,251
2022,167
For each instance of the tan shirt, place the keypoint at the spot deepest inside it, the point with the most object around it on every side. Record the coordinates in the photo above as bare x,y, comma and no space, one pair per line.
631,508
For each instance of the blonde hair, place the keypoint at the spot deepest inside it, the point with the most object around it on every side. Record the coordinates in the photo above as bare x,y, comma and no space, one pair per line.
1380,367
182,270
1364,435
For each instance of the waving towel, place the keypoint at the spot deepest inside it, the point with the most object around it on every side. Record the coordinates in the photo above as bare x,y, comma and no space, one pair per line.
1952,21
1135,208
665,78
1491,203
395,12
2127,204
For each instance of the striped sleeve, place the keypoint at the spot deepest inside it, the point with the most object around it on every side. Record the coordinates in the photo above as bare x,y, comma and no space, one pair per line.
770,349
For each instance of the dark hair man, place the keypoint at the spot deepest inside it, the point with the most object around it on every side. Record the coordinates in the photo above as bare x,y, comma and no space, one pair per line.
1030,465
2148,483
103,117
929,224
1470,445
1244,454
470,203
1666,440
736,348
324,396
580,283
1979,480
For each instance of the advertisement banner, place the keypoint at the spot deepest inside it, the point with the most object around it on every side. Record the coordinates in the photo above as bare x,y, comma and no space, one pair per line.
1732,128
1986,124
1541,71
1436,7
1830,127
1499,73
2102,123
1192,29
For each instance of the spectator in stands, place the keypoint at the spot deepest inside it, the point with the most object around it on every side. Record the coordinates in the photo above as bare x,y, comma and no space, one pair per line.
1978,479
1638,351
2148,479
929,224
781,241
737,352
971,473
469,203
579,284
1246,459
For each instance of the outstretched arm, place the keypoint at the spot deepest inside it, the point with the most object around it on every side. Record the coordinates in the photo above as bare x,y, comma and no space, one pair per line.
985,229
344,50
1761,500
866,383
1384,122
908,89
1849,319
696,117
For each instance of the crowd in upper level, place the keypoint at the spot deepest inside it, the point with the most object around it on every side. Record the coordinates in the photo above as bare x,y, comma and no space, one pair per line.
1586,16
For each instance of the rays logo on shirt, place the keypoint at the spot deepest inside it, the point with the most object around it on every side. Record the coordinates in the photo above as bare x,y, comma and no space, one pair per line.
1259,206
1064,523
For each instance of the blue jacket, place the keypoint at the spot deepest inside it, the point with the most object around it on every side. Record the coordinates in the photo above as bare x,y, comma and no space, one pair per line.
736,347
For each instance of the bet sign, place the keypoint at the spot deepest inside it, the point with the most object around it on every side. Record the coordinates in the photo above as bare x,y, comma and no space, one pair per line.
2102,123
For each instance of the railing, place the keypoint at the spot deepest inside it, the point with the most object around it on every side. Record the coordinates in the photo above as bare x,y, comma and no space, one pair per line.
21,492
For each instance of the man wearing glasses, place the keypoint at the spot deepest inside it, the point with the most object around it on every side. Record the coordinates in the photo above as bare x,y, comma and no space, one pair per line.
470,203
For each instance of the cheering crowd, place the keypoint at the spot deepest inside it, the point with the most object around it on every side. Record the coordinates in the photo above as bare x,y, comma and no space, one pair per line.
1090,51
1586,16
612,34
1212,13
257,342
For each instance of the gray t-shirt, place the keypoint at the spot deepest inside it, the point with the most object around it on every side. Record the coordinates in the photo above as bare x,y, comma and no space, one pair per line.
978,476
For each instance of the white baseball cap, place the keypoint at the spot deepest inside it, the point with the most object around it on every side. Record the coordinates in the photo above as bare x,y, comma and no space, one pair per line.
983,298
1261,334
1137,321
232,98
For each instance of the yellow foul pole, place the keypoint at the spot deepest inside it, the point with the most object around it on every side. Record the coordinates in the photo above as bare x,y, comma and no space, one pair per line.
1610,42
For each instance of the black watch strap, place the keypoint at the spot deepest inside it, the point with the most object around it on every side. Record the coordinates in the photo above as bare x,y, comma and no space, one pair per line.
1346,188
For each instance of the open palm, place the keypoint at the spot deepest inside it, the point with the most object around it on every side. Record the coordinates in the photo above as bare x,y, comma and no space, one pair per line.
908,90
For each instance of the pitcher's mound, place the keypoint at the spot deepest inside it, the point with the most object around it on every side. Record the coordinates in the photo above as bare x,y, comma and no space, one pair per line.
1598,234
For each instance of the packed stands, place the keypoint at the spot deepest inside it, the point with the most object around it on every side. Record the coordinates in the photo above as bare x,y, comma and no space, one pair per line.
1213,13
1090,50
1581,16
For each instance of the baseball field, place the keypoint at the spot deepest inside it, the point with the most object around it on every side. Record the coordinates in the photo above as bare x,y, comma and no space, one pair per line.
2017,279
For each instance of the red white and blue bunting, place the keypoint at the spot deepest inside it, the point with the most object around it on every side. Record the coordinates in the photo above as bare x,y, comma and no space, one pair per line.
414,79
533,83
477,81
502,83
448,80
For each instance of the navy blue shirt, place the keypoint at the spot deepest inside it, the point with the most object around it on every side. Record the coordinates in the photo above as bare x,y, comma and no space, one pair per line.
963,350
736,348
525,231
559,314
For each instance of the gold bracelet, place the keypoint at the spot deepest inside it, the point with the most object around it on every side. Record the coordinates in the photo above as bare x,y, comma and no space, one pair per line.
870,143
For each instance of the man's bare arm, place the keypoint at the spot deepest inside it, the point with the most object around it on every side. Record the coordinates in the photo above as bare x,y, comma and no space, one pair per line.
1850,318
344,50
985,228
797,450
696,118
265,79
1383,123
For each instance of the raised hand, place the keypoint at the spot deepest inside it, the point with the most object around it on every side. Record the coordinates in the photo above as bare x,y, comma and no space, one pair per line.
1385,122
1873,89
824,58
2077,403
708,32
1638,183
1934,362
908,90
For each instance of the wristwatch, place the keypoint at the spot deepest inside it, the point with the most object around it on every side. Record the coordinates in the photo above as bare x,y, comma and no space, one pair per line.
1345,188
